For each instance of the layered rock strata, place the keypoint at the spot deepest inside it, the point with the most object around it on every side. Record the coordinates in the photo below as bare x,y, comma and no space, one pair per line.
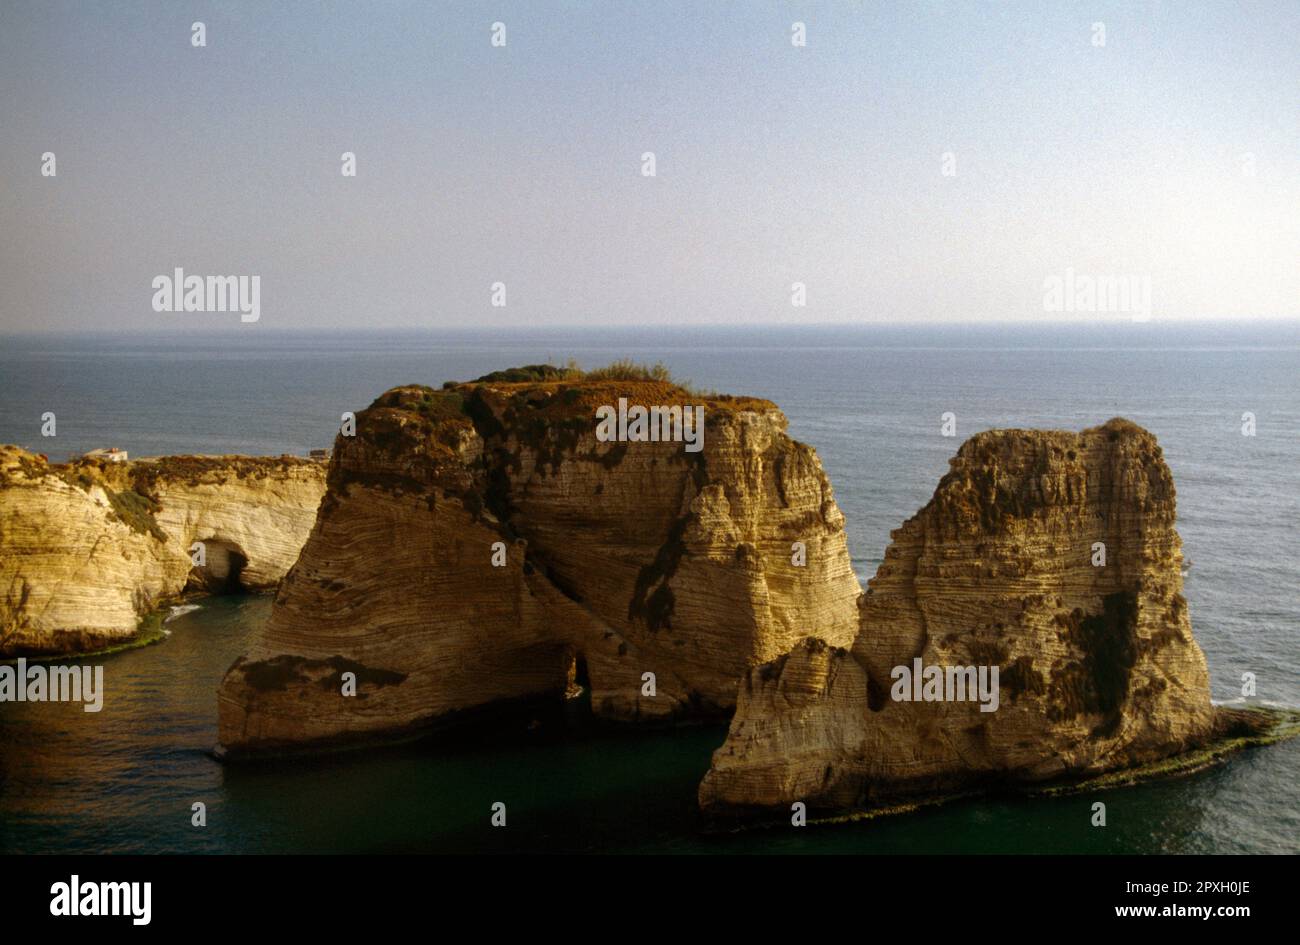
479,545
88,548
1050,555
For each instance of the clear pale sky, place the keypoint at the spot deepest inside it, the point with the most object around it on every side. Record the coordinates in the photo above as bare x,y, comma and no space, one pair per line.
522,164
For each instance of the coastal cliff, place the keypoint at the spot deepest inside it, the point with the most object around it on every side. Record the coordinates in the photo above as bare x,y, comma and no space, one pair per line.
1052,556
480,545
89,548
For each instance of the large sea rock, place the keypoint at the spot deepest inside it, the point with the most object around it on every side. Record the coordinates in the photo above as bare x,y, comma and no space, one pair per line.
1003,567
625,564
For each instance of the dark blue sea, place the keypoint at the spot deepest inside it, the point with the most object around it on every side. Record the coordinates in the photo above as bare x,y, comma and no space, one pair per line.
869,399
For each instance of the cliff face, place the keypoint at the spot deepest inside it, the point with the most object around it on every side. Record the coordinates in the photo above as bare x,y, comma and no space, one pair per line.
88,548
618,559
1097,666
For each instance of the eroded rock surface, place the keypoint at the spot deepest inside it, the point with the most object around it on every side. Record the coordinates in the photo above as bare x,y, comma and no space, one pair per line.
621,559
89,548
1098,668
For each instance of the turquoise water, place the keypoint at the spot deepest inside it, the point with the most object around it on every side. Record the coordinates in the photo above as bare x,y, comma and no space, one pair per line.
869,400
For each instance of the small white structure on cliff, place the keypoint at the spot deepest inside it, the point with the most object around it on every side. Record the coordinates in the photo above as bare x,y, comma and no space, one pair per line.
111,455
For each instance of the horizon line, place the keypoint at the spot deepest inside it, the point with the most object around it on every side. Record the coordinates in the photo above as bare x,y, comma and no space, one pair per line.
534,327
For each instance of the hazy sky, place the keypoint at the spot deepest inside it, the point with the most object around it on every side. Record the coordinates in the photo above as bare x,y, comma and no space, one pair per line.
522,164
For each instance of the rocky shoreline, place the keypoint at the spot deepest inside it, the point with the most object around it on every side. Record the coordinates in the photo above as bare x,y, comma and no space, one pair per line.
90,549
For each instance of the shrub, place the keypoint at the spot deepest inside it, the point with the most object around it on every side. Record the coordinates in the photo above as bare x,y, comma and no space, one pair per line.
136,511
625,369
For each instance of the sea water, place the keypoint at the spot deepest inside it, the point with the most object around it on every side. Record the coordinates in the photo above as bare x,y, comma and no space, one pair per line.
869,399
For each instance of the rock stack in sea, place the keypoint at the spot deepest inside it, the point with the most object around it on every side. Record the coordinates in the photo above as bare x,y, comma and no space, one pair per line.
479,545
1050,555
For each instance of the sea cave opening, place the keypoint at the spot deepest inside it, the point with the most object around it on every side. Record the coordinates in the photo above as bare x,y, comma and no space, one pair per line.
219,568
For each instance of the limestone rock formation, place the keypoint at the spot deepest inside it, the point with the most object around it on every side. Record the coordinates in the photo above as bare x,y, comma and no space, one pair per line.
88,548
653,575
1098,669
